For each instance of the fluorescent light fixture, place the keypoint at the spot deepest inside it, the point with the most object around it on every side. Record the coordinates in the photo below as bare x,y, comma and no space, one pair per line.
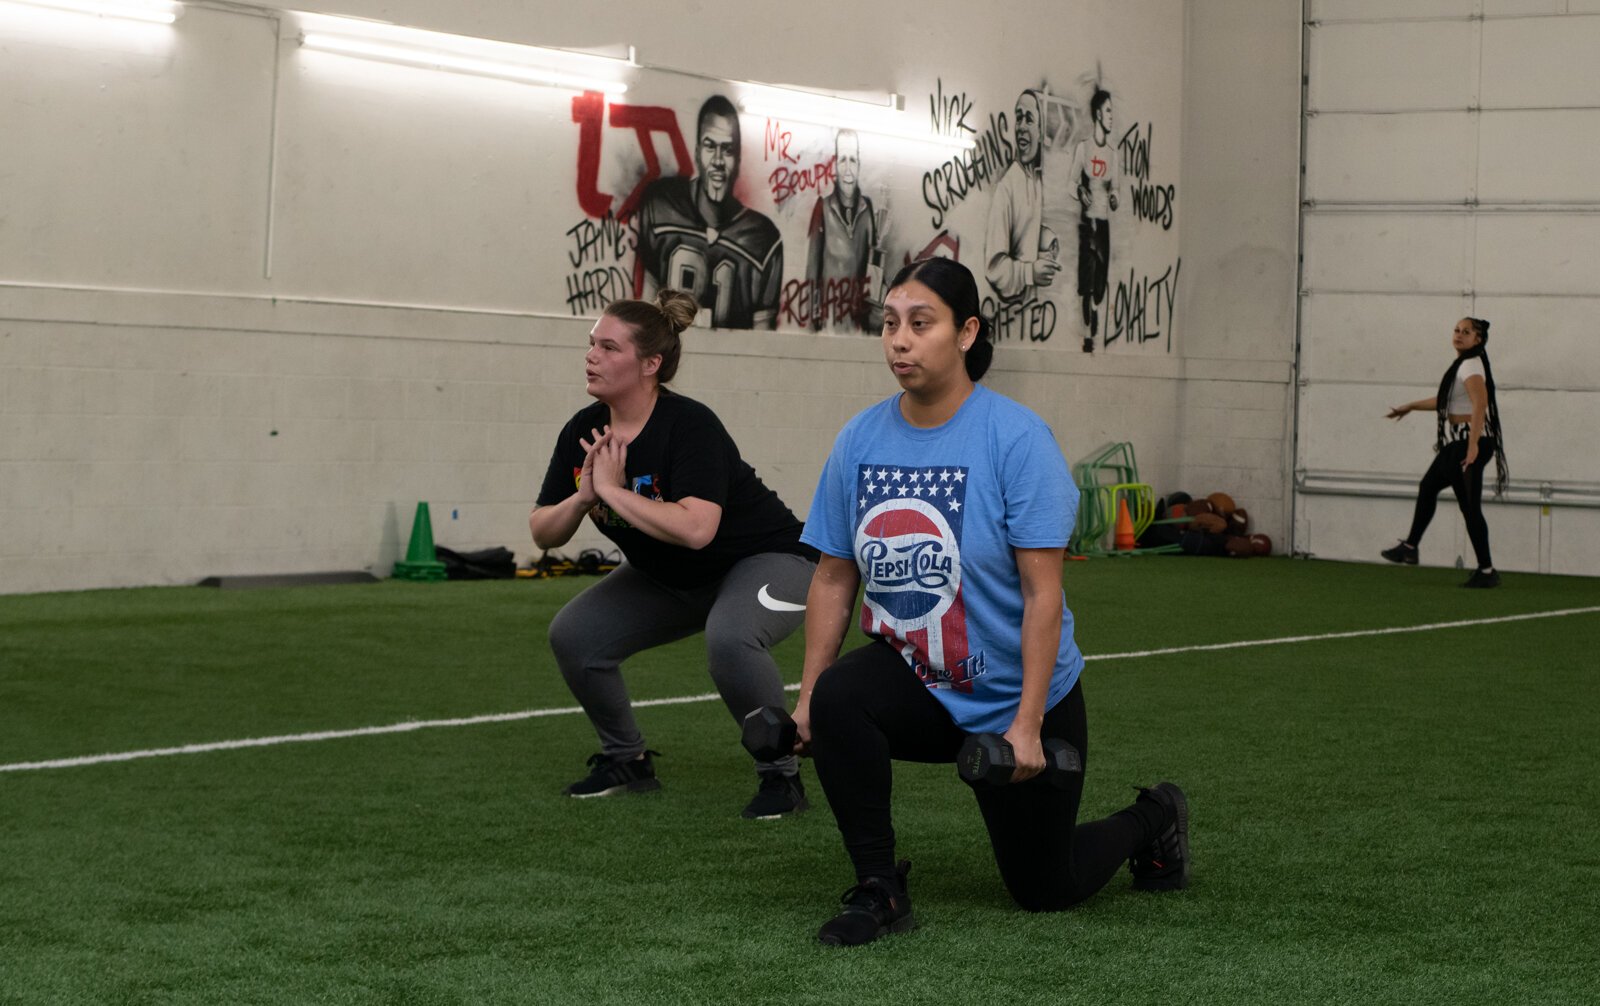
430,58
153,11
884,119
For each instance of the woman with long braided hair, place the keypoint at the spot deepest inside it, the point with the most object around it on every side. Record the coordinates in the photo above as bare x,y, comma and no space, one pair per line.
1468,435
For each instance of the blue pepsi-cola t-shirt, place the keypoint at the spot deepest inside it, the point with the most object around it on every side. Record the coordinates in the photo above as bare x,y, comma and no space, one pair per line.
930,517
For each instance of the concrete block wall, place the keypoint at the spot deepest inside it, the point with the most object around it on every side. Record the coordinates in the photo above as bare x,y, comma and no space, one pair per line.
145,450
136,450
1240,261
215,423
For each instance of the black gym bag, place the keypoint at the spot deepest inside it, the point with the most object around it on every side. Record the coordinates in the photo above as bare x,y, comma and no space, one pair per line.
496,563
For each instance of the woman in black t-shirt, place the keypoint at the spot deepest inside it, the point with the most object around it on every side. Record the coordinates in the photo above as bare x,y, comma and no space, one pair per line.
706,546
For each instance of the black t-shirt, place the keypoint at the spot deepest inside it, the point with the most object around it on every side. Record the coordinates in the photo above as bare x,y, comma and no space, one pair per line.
682,451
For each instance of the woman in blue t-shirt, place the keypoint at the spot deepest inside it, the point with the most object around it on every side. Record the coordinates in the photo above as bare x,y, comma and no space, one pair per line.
952,506
1468,436
706,546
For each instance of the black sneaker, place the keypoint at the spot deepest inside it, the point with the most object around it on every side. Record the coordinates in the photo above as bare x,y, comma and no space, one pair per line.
872,908
1401,553
777,795
1481,579
1163,865
608,775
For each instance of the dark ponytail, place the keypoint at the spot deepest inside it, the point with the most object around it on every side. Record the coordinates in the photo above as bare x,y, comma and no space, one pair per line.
954,284
982,352
1491,424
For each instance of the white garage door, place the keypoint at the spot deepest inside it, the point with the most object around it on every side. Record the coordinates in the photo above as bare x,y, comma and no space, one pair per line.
1452,168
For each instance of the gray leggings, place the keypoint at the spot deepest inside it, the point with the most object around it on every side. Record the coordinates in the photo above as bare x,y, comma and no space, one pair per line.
627,612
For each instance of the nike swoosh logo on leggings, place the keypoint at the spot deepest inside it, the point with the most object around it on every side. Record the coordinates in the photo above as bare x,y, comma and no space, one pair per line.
773,604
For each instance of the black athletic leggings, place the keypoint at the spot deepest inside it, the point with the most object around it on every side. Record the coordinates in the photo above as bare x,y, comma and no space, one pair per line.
869,708
1468,487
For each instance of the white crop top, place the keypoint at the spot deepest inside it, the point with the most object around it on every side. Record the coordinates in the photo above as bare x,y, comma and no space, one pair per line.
1460,404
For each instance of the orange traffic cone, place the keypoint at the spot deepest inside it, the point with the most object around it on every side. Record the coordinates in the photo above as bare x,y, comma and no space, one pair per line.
1123,539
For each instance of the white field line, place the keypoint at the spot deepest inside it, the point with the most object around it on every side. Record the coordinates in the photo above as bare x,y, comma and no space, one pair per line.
1397,630
529,714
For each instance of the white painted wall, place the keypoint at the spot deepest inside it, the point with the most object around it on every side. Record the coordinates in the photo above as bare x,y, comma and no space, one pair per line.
253,306
1450,168
1240,175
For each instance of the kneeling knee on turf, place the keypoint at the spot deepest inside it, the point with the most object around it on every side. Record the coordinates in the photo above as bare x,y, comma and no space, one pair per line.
1037,897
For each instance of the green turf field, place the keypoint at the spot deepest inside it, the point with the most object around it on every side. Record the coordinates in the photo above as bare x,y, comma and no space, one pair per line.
1405,817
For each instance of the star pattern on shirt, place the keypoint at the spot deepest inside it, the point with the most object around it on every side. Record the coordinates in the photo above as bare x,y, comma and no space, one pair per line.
936,485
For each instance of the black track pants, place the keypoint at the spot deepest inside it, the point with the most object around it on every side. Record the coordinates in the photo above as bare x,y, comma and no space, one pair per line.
1468,487
869,708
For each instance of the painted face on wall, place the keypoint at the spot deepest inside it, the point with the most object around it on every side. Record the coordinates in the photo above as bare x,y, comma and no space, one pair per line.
716,155
1465,336
1027,131
847,162
1103,117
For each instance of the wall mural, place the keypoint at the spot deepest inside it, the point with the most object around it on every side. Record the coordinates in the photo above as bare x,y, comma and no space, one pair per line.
1057,211
844,263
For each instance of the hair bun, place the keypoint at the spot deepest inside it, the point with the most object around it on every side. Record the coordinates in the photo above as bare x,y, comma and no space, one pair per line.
679,307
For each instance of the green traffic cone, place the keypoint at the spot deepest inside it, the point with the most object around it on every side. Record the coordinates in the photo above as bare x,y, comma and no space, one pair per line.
420,562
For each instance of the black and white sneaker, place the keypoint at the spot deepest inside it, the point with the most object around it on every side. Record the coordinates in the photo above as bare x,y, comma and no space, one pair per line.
1403,553
873,908
777,795
609,775
1483,578
1163,865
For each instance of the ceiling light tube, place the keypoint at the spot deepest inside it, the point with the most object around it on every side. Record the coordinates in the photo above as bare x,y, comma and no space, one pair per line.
881,124
453,62
832,104
153,11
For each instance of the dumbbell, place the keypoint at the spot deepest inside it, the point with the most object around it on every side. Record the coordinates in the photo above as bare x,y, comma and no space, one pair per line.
769,733
990,760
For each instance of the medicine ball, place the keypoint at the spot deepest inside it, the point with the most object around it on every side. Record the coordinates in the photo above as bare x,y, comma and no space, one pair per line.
1211,523
1239,522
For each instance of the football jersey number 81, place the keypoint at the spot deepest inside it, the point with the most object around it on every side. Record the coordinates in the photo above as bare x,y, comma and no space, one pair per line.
687,266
